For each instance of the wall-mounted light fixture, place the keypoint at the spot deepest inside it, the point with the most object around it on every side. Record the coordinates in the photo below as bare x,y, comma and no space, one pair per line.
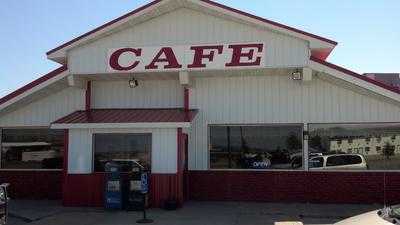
296,75
133,83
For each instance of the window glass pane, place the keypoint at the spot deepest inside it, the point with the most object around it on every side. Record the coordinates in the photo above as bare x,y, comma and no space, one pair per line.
316,162
335,161
256,147
356,146
129,150
219,157
32,149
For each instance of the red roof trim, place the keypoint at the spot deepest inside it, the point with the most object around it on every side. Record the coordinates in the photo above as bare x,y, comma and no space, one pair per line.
356,75
33,84
104,26
215,4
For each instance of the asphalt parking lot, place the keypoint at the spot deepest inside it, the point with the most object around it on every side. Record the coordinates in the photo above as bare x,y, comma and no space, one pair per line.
23,212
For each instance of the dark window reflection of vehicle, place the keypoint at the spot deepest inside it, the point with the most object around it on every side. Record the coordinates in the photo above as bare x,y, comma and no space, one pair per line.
255,161
316,162
376,142
127,165
126,149
297,162
3,203
255,146
32,148
339,162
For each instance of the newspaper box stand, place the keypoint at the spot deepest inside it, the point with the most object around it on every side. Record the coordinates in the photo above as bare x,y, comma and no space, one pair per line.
138,188
141,188
113,186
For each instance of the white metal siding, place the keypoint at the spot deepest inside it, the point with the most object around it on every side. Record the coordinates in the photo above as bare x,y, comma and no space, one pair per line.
149,94
163,153
80,154
46,110
185,26
276,99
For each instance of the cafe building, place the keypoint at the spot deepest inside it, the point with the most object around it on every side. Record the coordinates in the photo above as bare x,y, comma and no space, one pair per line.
219,104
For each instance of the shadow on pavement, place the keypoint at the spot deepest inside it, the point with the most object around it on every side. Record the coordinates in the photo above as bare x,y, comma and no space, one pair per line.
23,212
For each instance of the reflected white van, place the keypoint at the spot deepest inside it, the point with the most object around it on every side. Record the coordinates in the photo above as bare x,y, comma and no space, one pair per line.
338,162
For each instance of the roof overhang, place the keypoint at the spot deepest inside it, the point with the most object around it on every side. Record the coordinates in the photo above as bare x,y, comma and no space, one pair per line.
119,125
35,87
126,118
320,46
355,79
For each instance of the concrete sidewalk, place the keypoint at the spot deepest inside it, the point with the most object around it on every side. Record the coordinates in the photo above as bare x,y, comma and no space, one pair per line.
194,213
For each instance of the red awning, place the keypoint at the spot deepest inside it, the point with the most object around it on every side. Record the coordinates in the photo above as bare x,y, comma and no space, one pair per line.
128,116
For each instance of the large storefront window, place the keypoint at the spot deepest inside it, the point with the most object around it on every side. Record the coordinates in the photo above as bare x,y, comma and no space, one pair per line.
373,146
256,147
128,150
32,149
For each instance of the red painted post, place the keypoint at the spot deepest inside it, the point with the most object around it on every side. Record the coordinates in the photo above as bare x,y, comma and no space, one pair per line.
88,96
186,99
65,166
179,180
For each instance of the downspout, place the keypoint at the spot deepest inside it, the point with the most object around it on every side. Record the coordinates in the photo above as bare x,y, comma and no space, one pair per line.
88,96
186,103
88,100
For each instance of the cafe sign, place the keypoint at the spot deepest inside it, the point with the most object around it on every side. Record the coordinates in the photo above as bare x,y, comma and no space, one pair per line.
186,57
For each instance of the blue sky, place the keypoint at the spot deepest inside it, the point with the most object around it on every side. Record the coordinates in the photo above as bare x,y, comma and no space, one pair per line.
368,32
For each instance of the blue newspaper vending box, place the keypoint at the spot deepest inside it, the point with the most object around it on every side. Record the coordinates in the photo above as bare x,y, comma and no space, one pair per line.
113,186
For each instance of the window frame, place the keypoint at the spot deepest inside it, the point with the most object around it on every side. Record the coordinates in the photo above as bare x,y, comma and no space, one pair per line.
209,125
351,171
23,128
121,132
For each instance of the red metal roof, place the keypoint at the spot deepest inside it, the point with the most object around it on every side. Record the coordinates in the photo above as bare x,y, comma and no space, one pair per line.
212,3
128,116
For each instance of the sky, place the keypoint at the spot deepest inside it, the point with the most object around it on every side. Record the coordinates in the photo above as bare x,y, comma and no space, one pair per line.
368,31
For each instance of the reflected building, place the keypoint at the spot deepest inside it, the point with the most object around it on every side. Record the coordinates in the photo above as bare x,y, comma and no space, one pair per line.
364,145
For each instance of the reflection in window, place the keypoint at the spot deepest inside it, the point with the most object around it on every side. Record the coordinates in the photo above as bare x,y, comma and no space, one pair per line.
256,147
32,149
128,150
357,146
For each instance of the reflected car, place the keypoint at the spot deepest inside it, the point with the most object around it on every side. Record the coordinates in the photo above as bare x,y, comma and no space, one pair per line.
315,154
127,165
338,162
296,162
385,216
4,199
